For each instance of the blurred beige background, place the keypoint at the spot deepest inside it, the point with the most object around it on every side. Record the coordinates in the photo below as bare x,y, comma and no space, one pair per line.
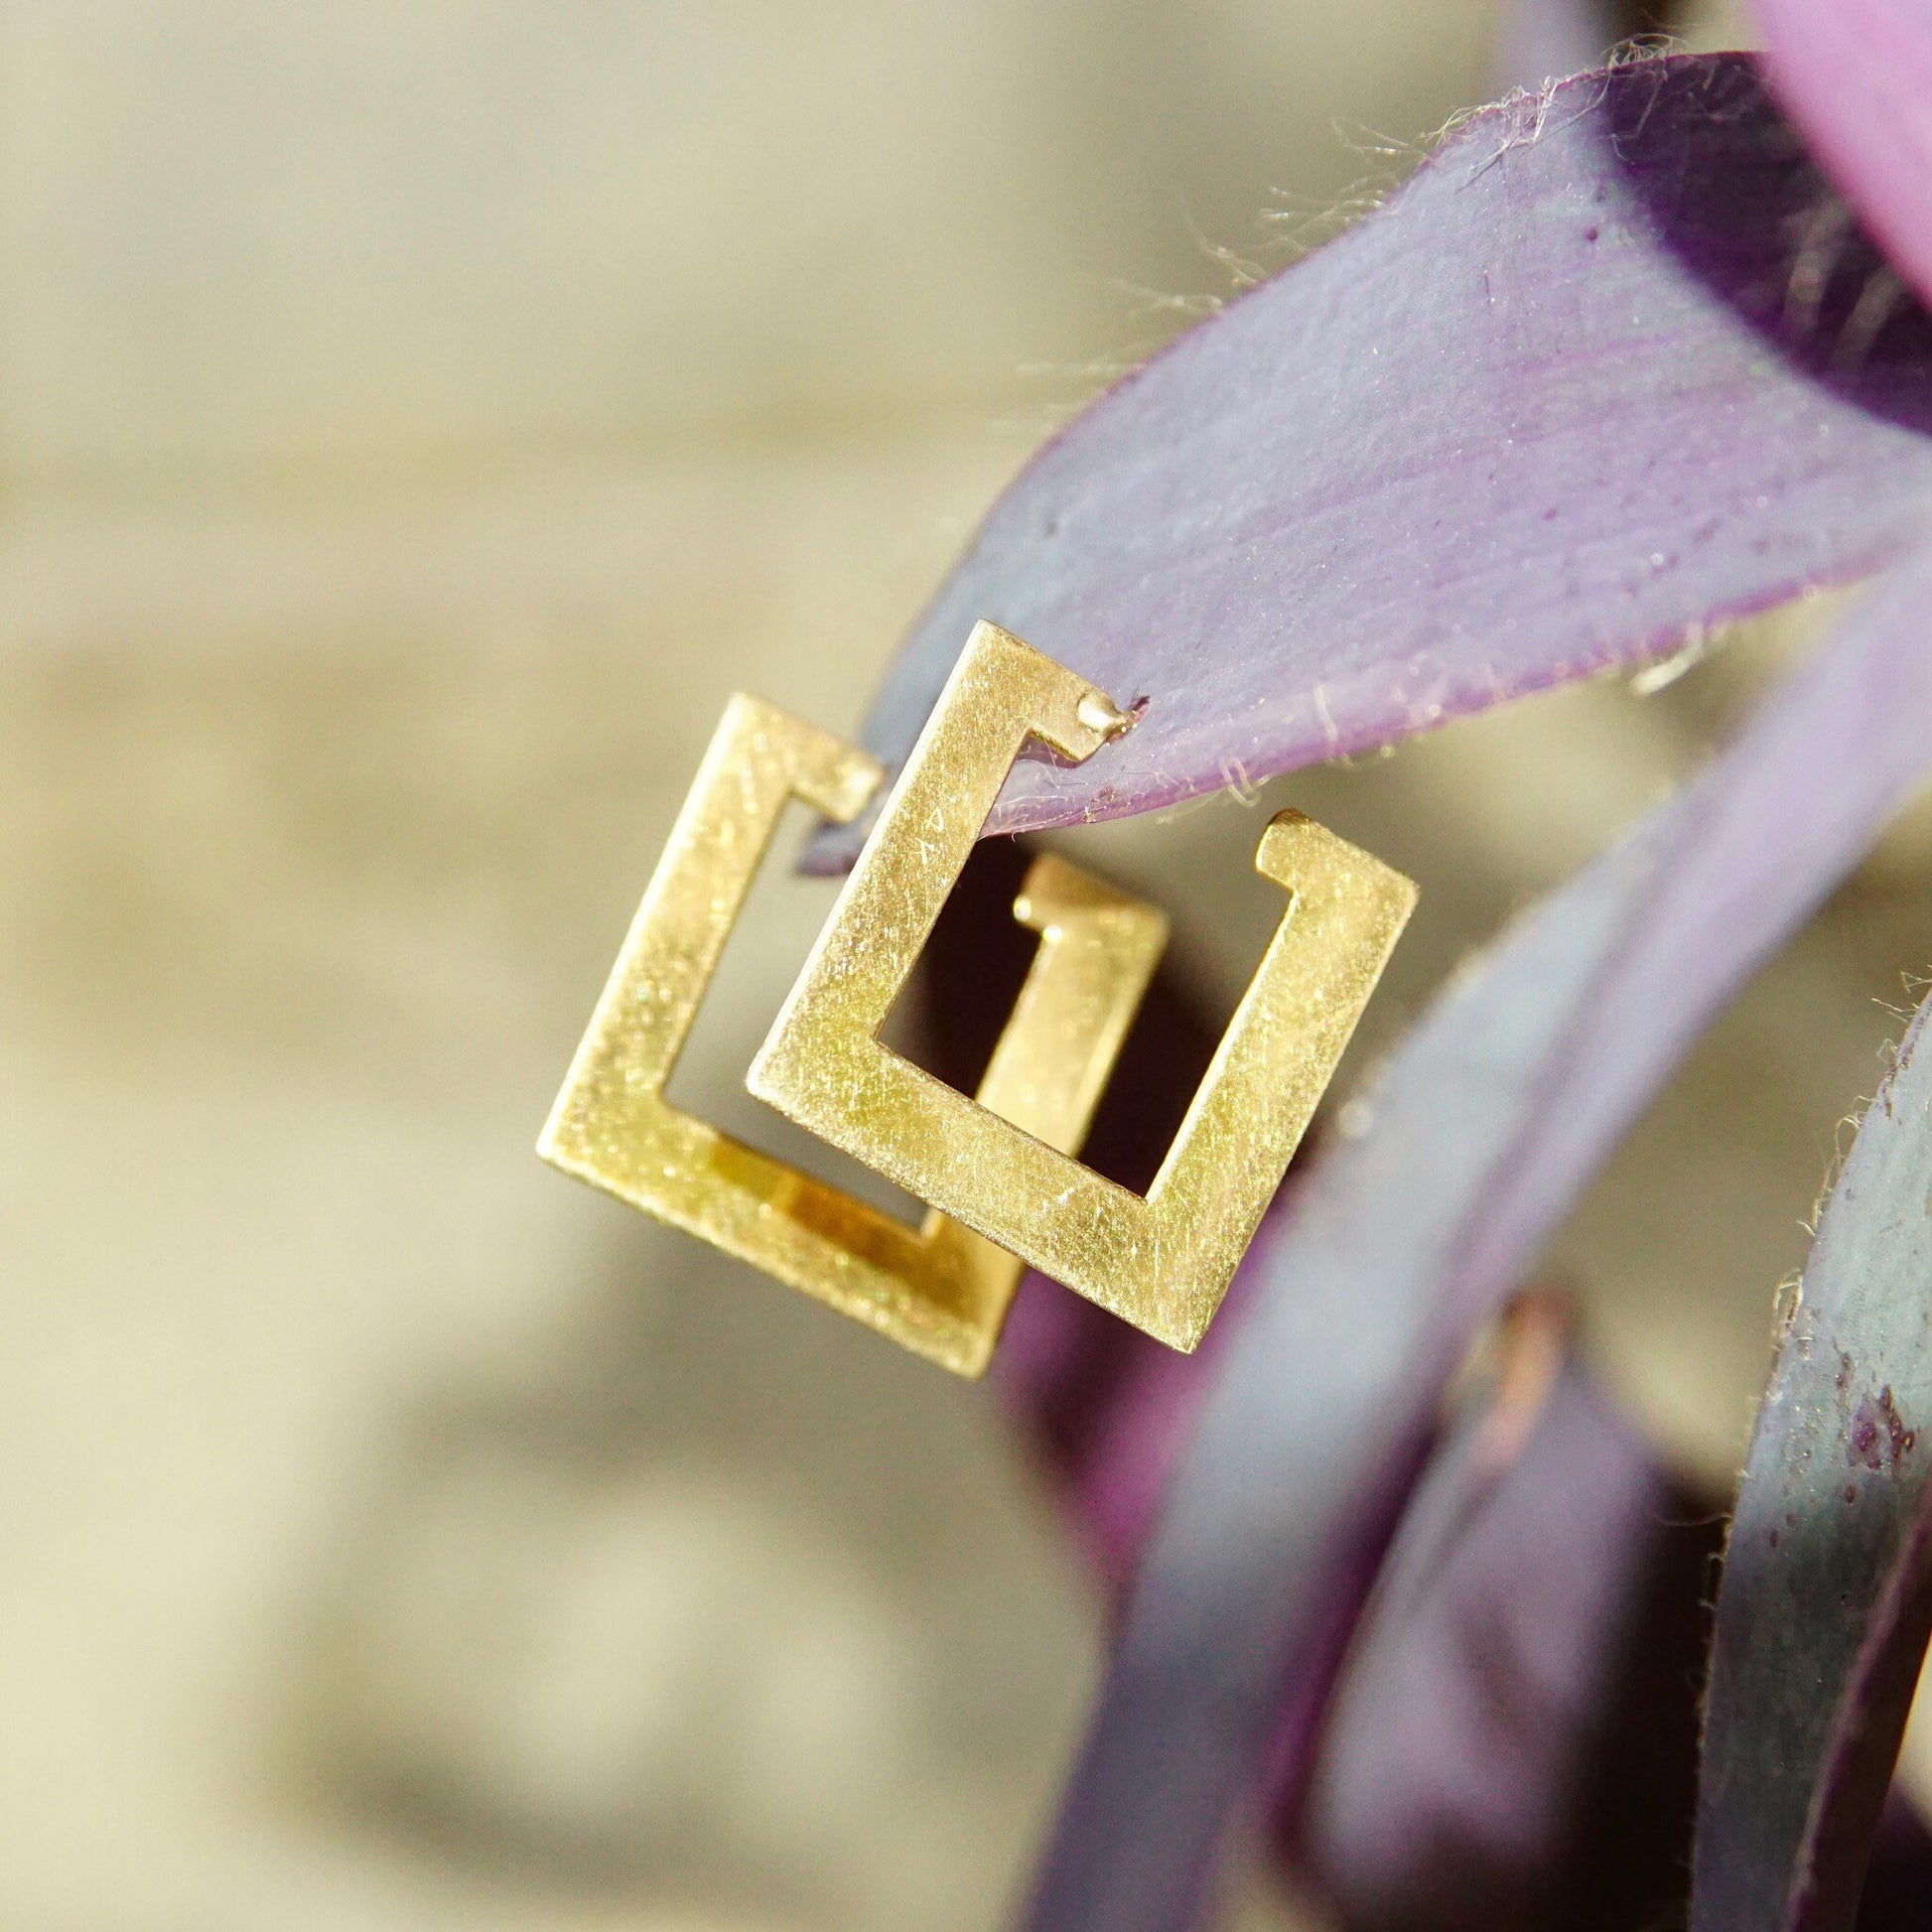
413,423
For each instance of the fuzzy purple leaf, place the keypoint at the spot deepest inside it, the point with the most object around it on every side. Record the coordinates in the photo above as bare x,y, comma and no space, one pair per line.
1827,1597
1580,388
1399,1245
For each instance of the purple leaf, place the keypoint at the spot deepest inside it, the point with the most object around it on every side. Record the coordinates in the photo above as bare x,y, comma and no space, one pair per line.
1826,1598
1396,1248
1857,75
1109,1408
1515,1743
1575,392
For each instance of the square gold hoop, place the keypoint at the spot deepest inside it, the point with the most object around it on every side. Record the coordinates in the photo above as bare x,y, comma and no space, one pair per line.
939,1290
1161,1261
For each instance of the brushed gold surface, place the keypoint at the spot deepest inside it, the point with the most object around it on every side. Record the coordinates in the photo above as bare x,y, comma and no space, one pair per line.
1164,1261
941,1289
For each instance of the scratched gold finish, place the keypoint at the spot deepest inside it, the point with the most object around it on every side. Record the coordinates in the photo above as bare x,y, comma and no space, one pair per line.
1161,1261
940,1290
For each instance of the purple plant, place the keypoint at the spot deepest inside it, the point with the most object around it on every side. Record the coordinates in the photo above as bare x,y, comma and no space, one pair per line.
1629,356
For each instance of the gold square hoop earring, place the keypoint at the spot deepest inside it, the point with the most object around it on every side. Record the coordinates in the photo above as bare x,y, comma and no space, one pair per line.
940,1290
997,1172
